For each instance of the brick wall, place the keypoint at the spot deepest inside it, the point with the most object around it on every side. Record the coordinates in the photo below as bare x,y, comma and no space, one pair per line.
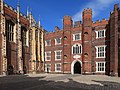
88,41
114,41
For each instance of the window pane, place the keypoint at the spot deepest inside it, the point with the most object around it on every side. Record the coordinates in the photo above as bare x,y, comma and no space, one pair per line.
48,58
47,42
101,66
77,36
58,41
58,67
58,54
48,55
80,49
101,34
73,50
76,49
101,51
58,57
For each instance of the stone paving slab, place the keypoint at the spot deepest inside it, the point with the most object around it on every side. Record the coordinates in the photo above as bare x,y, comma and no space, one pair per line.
87,79
59,82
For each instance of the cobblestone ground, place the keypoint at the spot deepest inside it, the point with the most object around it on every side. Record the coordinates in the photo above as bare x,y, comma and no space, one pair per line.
59,82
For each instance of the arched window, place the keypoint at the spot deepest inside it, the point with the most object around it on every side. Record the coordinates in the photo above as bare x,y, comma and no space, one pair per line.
24,35
9,30
77,49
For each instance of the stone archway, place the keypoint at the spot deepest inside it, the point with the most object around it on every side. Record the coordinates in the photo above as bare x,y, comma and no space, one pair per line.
76,67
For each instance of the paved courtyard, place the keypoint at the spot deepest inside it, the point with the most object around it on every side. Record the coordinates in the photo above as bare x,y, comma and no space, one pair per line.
59,82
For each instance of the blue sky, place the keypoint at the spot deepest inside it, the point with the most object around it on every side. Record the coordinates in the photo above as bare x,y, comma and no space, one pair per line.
51,12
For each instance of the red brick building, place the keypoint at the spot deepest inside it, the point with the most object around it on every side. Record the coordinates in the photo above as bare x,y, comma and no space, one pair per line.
86,47
16,41
114,28
14,49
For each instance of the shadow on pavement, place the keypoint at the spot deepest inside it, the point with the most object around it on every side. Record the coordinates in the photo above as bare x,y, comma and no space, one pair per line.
24,82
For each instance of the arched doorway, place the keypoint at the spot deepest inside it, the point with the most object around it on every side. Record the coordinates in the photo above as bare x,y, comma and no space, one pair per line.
10,70
77,68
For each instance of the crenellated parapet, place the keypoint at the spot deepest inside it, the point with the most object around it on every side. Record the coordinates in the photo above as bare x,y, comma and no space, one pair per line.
54,32
87,11
100,23
14,10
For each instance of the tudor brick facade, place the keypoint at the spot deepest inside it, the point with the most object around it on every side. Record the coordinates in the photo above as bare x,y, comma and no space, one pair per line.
86,47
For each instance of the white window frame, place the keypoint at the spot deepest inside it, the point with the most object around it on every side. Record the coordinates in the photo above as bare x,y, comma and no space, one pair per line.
56,43
74,37
100,67
98,32
58,55
47,56
56,67
46,68
80,52
47,44
104,46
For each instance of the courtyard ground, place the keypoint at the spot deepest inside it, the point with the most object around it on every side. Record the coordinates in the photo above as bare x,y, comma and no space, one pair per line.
59,82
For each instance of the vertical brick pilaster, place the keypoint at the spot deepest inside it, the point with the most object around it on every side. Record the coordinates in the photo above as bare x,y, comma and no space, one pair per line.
87,40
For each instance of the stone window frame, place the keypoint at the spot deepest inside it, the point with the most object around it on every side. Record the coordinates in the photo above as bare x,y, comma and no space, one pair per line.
100,33
9,30
46,43
58,55
56,42
74,36
47,65
48,56
56,68
100,66
74,47
99,52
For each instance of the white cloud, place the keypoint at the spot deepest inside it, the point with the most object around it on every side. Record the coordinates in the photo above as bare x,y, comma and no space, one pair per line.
97,6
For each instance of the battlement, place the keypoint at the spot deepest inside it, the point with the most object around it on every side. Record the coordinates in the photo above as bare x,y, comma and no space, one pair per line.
14,10
87,10
66,17
53,32
100,22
